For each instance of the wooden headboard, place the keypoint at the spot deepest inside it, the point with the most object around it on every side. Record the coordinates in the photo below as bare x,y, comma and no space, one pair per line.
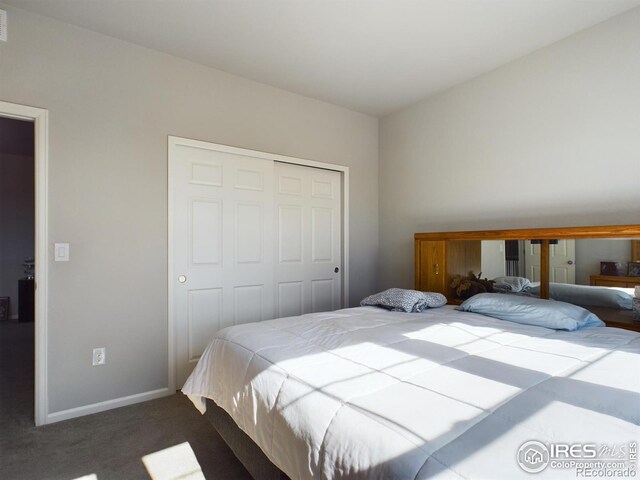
441,255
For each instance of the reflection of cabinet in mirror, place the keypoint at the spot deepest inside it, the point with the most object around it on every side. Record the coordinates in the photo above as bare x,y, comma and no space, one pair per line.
441,255
613,281
635,250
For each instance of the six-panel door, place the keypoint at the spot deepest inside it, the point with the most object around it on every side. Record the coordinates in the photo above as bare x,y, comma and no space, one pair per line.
253,239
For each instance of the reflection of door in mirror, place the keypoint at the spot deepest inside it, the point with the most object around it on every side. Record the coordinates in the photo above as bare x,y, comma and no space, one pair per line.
562,263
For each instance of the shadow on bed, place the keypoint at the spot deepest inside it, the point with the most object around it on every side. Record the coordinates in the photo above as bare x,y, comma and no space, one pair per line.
539,390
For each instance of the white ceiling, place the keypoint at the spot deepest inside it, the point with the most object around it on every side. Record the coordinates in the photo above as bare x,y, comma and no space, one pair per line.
373,56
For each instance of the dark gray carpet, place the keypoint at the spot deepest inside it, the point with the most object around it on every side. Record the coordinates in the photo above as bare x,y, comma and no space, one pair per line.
109,444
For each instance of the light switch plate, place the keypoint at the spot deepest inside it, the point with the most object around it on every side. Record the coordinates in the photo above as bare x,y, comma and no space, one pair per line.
61,252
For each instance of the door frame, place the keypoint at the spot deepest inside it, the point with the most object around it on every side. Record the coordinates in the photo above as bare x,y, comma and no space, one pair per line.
172,143
40,119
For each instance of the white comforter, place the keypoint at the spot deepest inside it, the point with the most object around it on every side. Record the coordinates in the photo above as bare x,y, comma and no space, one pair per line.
366,393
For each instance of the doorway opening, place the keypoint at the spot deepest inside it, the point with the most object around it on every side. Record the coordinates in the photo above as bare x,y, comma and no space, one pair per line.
23,273
17,274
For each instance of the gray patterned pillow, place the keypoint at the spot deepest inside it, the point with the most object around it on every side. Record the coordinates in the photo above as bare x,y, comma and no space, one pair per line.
511,284
401,300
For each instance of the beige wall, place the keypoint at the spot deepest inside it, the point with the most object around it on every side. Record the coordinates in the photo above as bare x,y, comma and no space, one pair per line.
111,107
590,252
16,223
551,139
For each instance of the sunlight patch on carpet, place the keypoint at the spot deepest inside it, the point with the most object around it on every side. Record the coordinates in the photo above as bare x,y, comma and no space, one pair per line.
173,463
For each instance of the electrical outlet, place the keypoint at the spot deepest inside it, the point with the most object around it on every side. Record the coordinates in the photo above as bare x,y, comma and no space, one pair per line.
99,356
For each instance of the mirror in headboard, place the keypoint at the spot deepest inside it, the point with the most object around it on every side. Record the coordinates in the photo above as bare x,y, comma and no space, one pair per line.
547,257
573,261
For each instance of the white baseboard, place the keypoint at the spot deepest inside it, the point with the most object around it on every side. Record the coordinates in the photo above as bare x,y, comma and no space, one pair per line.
107,405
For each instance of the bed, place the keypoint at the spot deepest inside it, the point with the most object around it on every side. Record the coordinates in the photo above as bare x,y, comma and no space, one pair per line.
369,393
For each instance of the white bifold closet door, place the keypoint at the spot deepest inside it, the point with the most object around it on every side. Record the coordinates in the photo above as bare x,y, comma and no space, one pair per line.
308,240
253,239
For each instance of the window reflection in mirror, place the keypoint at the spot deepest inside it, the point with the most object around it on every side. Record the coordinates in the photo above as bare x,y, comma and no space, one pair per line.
513,258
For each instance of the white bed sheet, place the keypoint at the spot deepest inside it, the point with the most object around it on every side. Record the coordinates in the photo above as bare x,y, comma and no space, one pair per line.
367,393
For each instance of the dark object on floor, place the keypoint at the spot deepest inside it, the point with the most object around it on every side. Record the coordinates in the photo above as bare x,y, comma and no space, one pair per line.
4,308
26,299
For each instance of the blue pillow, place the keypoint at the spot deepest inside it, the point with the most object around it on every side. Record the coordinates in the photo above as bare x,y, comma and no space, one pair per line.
531,311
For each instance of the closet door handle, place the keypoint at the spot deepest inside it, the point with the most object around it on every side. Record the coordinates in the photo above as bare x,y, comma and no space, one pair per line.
436,268
182,279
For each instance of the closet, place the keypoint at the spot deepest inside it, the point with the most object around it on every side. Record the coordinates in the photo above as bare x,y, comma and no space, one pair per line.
253,236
